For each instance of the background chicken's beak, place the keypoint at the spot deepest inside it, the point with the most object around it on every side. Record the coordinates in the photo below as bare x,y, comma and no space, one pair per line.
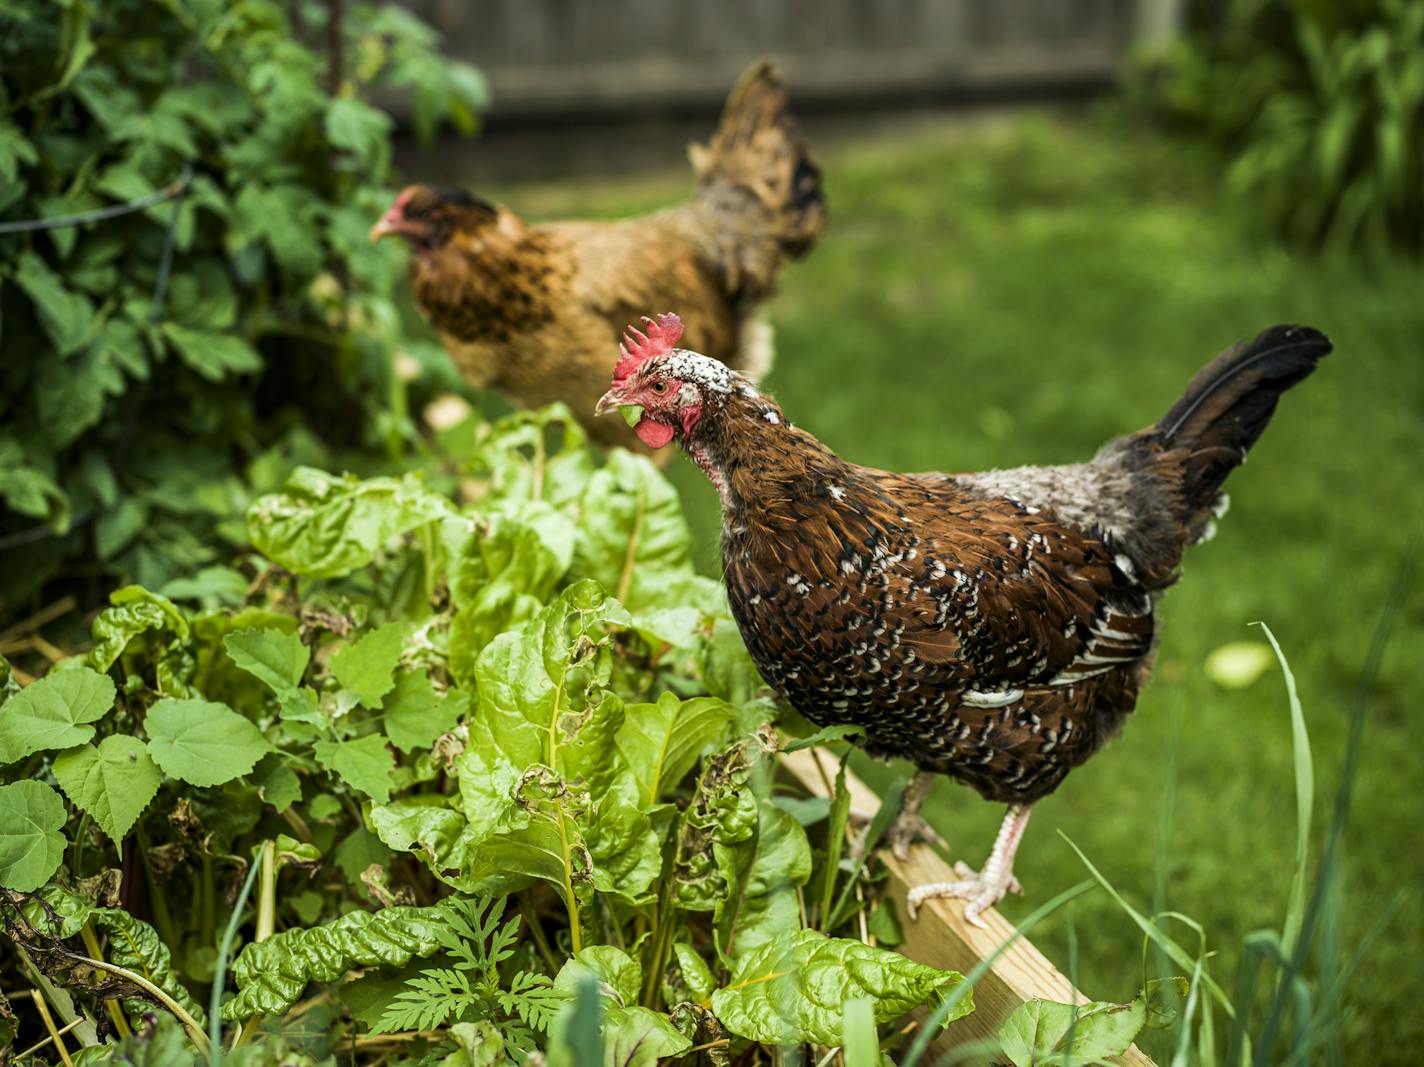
608,402
390,223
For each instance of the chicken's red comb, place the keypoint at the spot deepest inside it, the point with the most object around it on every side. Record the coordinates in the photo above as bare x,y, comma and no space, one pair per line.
638,347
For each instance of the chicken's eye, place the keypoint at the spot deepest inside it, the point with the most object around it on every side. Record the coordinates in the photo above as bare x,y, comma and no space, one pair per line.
659,388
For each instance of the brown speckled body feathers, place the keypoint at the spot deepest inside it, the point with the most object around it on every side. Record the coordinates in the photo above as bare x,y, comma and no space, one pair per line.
995,627
533,310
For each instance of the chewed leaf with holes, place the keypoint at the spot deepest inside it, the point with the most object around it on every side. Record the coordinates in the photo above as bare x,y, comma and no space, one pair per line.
541,689
791,990
325,526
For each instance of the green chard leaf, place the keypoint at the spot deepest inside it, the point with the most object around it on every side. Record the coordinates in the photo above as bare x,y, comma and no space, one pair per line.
133,611
541,695
632,535
504,574
31,845
202,742
791,990
271,974
696,975
1038,1032
114,782
661,742
54,712
136,945
324,526
520,464
633,1036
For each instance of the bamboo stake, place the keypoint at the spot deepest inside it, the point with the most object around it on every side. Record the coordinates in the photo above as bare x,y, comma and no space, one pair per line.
49,1025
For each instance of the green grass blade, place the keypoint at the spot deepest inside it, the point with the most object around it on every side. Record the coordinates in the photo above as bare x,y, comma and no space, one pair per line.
585,1033
1265,1044
835,843
1304,800
861,1046
1174,951
215,1048
893,800
1184,1023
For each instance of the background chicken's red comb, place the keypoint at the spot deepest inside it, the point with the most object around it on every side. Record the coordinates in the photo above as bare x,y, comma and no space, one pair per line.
638,347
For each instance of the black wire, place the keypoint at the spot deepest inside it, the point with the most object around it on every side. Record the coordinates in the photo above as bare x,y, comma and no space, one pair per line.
165,264
57,222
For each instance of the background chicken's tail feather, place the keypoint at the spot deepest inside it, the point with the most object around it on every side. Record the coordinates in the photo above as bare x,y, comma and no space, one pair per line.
757,177
1227,405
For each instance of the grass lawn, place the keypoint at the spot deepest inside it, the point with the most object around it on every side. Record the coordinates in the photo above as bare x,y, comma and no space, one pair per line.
1018,291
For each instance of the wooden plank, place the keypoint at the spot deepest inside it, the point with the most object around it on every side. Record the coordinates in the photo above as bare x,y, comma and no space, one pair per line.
549,57
941,937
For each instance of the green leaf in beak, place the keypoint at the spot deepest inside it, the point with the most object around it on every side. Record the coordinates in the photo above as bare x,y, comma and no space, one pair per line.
632,413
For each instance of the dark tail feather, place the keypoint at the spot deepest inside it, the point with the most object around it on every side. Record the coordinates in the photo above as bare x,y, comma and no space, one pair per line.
1227,405
756,157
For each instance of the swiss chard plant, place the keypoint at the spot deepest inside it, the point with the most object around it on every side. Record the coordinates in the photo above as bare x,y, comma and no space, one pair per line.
422,775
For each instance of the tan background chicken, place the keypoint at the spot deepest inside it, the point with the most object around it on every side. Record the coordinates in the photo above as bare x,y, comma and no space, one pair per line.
532,310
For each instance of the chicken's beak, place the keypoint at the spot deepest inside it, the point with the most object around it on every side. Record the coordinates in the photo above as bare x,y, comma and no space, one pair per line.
392,222
609,401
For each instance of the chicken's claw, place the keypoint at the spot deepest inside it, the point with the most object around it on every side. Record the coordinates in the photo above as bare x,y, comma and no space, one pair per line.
980,892
909,829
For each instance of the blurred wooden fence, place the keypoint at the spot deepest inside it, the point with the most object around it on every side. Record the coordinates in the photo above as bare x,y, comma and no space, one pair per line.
572,57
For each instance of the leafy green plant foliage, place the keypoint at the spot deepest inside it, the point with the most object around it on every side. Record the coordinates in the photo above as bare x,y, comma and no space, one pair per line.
1322,107
1043,1032
792,989
505,781
471,990
185,191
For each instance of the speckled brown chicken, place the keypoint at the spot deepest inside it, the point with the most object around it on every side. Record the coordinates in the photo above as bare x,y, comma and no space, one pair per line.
994,627
533,310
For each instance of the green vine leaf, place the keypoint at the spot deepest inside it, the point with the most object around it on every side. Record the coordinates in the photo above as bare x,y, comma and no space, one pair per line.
364,764
54,712
415,715
31,845
276,658
114,782
368,667
202,742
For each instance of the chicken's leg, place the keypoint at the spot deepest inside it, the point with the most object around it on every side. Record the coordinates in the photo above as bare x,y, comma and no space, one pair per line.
987,887
909,826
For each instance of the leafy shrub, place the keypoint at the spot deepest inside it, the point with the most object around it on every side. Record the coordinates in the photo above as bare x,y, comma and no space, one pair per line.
154,357
483,757
1322,107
